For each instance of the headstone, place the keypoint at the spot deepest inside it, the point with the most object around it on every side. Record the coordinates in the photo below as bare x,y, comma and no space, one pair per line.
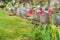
23,10
37,14
36,18
57,20
44,18
18,11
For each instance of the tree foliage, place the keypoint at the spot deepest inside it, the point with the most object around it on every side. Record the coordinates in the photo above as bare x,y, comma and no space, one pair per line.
6,0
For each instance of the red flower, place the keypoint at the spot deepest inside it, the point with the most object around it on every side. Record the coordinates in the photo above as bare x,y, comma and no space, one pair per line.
50,10
40,12
30,11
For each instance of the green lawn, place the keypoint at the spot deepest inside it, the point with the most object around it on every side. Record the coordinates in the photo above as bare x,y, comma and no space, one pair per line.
12,27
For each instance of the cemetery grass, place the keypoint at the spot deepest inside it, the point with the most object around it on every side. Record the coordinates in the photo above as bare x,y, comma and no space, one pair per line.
15,28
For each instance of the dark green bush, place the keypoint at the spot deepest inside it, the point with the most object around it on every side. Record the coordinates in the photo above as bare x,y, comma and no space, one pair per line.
2,6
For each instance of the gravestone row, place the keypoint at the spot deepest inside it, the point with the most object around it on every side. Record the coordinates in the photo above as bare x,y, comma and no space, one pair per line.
40,15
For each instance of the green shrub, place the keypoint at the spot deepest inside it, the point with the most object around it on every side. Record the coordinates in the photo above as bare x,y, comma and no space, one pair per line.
3,5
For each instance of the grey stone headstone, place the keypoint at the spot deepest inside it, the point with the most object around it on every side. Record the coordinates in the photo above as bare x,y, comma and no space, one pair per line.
57,20
44,18
18,11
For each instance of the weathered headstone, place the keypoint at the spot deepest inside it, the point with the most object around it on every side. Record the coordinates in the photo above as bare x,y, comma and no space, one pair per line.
18,11
57,19
22,10
36,18
45,17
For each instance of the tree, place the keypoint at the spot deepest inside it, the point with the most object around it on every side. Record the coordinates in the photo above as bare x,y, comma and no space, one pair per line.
6,1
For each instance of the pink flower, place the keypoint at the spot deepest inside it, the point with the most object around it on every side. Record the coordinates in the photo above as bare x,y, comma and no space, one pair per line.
30,11
40,12
50,10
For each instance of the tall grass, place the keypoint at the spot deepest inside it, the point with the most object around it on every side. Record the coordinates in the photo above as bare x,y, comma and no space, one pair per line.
46,32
